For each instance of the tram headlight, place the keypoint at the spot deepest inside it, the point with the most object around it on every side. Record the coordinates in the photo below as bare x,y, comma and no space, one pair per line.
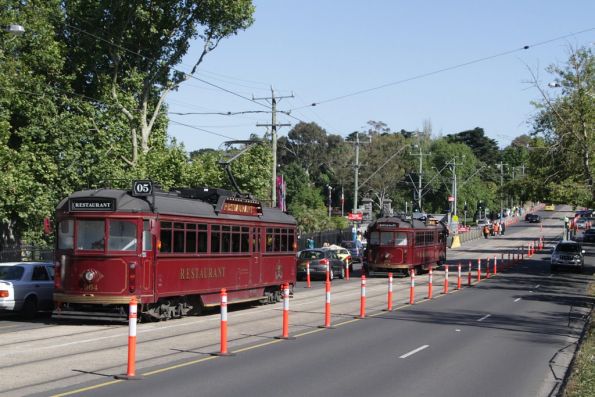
89,275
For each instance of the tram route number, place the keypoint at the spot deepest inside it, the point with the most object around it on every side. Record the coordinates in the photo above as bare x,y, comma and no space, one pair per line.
142,188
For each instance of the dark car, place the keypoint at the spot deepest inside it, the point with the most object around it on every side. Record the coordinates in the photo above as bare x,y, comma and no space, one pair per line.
533,218
356,249
319,259
568,254
589,236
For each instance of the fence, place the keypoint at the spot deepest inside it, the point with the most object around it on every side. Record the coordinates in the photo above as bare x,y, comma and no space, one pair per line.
27,253
327,236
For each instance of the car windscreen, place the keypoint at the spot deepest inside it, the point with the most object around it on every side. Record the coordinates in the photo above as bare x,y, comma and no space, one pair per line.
311,255
11,273
567,248
348,244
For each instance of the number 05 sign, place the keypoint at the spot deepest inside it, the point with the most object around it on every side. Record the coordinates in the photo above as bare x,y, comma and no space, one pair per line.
142,188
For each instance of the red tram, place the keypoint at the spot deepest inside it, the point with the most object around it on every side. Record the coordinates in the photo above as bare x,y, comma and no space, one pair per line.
173,251
398,245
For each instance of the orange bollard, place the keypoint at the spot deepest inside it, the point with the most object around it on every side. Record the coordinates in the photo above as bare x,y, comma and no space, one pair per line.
362,305
347,269
132,317
445,291
459,276
469,275
478,270
285,332
430,277
308,284
389,298
328,269
327,306
412,288
223,350
488,275
495,265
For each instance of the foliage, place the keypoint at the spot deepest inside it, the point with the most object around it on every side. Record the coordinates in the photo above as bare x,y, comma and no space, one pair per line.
567,121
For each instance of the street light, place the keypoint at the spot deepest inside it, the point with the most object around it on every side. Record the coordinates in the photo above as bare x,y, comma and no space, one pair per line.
14,29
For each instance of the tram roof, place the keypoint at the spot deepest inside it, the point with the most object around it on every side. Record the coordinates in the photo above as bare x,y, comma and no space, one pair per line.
407,223
171,203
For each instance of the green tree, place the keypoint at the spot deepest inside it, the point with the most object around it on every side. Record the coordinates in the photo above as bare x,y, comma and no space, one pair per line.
125,53
567,122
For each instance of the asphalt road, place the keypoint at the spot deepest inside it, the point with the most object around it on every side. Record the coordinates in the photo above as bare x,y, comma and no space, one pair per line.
513,334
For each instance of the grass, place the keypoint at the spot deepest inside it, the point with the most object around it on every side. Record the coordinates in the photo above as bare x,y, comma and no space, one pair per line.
582,378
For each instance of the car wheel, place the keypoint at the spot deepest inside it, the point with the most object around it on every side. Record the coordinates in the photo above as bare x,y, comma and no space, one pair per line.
29,307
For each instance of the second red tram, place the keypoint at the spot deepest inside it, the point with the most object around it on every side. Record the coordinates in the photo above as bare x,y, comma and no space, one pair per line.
398,245
174,251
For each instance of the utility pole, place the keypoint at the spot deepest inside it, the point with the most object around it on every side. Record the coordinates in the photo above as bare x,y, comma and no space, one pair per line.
273,125
419,175
356,168
501,166
330,189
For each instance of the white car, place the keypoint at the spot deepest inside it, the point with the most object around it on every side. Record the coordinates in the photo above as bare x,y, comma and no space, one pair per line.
26,287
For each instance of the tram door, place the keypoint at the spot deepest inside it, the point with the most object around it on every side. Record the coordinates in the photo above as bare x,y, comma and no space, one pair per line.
255,265
147,258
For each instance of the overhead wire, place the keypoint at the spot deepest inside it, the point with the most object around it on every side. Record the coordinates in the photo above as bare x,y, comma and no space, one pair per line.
442,70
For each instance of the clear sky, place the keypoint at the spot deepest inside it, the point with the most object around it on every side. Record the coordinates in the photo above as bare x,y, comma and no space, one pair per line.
320,50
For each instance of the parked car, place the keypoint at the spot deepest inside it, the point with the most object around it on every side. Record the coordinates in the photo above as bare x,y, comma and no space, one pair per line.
581,222
533,218
319,259
342,253
550,207
356,249
589,236
568,254
26,287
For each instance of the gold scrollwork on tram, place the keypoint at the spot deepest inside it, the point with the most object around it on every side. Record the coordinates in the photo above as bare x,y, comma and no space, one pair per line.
196,273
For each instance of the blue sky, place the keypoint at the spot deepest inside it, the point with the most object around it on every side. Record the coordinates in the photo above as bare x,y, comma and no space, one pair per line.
320,50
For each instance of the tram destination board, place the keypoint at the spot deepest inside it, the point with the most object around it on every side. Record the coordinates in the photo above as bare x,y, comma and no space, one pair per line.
91,204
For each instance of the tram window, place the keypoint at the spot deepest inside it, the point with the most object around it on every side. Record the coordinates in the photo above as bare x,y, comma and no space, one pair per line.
269,239
66,234
283,238
91,235
245,237
191,238
290,240
147,240
178,240
400,238
215,238
386,238
165,239
202,238
235,242
429,238
225,239
278,238
374,238
122,236
419,239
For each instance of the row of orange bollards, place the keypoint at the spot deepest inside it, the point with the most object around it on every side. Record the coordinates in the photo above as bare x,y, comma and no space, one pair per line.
513,257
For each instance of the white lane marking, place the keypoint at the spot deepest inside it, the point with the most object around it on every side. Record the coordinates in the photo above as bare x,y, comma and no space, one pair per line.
551,275
537,286
517,299
457,330
412,352
484,317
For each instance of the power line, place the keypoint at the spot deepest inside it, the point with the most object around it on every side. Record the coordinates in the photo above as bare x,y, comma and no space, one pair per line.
445,69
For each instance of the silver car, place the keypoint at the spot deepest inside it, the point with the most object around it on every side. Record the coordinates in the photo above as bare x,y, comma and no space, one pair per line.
568,254
26,287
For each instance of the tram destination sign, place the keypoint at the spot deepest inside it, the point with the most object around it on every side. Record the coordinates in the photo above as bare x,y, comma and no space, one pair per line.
239,206
387,225
91,204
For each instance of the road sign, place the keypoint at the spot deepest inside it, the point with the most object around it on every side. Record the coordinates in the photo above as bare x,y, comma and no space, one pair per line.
358,216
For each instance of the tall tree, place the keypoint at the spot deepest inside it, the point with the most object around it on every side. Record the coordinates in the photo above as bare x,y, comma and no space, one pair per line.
484,148
567,121
125,52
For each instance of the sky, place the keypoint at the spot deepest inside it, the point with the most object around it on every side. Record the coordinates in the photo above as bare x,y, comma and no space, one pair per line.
408,58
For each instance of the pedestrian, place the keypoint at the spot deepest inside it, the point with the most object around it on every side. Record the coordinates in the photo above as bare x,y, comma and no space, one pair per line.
503,228
486,231
496,228
310,243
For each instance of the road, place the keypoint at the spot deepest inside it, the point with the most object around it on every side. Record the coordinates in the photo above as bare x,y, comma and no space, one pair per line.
512,334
